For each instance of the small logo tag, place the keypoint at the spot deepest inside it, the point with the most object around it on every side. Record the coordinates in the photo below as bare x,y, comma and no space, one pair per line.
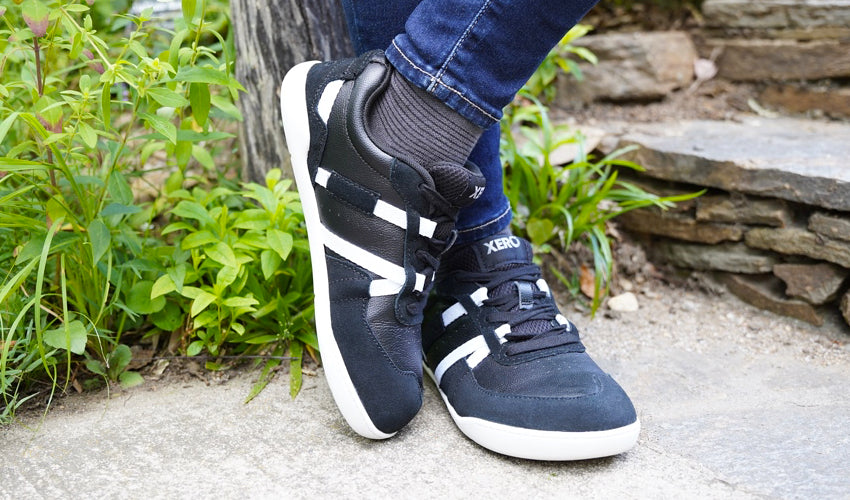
501,244
479,190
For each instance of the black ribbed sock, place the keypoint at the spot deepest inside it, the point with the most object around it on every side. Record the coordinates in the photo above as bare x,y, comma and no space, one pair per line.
418,128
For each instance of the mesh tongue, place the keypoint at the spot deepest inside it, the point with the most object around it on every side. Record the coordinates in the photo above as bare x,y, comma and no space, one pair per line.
460,185
495,253
500,252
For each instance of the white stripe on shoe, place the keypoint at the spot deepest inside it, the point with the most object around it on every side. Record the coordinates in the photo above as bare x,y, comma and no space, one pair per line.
398,217
460,352
326,102
378,288
454,312
479,296
370,262
322,177
502,331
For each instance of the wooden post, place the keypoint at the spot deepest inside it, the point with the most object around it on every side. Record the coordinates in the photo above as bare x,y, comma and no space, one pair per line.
271,37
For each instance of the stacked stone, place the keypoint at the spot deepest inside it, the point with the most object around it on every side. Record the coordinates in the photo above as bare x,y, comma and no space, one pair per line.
775,224
632,67
800,48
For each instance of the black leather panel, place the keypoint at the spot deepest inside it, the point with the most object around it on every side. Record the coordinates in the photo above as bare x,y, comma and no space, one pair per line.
366,231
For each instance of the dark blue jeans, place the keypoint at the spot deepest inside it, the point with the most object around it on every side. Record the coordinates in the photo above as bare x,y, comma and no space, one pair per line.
474,55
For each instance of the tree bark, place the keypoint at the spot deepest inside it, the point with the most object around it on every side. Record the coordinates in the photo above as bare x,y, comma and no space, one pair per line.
271,37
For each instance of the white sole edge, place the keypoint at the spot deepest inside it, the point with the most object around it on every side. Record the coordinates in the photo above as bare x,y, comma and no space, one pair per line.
536,444
297,129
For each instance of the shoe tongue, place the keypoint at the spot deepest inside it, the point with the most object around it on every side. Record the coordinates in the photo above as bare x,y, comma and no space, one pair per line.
498,252
460,185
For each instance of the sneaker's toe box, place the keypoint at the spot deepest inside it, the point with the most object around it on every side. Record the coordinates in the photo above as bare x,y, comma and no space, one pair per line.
562,393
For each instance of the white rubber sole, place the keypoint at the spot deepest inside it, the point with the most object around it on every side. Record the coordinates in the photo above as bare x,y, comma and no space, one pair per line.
536,444
293,106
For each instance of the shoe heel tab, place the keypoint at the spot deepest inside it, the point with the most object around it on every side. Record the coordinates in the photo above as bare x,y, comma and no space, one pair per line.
360,64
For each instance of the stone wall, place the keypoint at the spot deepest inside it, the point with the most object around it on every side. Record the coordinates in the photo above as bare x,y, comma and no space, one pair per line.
796,51
799,50
774,225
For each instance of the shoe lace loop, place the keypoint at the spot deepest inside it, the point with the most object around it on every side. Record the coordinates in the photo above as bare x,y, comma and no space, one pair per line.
443,213
531,313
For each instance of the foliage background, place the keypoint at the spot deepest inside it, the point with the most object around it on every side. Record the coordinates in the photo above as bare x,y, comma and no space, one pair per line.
117,224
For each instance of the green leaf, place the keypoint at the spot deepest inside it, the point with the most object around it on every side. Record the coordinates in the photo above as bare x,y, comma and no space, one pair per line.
267,373
170,318
227,107
222,254
130,379
201,302
36,15
70,336
280,242
162,286
194,348
178,276
76,46
262,339
162,126
96,367
191,292
189,7
203,156
139,298
193,210
7,124
100,238
118,360
167,97
174,48
119,209
539,230
49,110
226,276
199,96
195,74
183,152
296,351
240,302
119,189
174,182
269,262
87,134
198,239
106,105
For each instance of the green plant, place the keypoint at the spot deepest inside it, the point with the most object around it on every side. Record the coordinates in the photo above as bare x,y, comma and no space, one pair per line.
560,60
240,271
86,111
563,204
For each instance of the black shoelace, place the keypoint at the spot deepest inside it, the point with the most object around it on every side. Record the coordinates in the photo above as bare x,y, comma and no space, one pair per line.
530,312
443,213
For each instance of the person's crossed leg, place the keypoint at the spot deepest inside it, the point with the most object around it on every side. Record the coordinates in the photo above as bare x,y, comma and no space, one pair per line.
395,155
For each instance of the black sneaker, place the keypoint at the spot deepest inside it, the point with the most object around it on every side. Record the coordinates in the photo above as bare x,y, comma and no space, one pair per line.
376,227
511,369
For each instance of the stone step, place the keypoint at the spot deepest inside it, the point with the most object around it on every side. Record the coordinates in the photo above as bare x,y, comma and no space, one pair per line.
797,160
777,14
632,66
829,101
756,60
777,221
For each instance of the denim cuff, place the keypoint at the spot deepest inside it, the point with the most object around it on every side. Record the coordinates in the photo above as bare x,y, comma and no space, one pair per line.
485,229
478,113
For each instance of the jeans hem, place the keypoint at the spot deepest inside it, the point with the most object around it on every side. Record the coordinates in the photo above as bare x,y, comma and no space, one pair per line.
433,84
485,229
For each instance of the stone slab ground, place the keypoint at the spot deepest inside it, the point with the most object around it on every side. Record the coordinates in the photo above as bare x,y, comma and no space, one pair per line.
734,403
797,160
